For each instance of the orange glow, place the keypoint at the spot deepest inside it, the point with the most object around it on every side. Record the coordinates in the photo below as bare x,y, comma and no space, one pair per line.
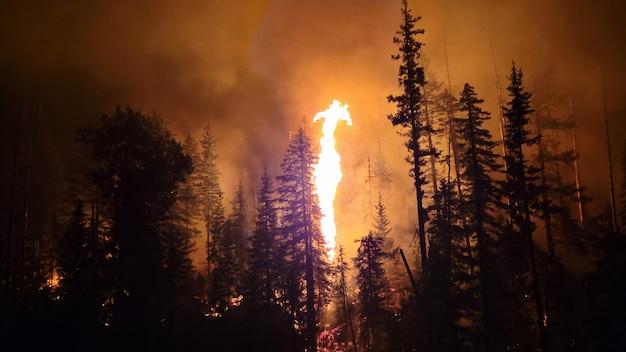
327,171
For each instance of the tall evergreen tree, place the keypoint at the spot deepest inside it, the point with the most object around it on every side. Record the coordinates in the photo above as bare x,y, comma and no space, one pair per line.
239,219
408,113
518,185
137,168
342,296
444,249
177,237
371,281
229,256
211,198
263,271
303,247
381,225
479,163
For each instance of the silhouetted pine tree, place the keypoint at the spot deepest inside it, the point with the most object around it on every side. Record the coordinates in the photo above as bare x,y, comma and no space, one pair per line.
228,259
302,245
137,168
372,285
211,197
479,163
177,237
408,113
395,272
444,229
342,297
239,221
519,186
380,227
263,271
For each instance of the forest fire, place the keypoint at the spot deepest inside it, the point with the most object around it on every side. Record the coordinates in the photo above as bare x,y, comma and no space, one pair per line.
328,169
159,190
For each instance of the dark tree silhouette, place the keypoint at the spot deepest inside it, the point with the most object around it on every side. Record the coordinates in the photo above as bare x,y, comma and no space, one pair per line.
372,285
479,163
137,168
342,297
408,113
518,185
381,226
210,195
444,229
264,267
303,247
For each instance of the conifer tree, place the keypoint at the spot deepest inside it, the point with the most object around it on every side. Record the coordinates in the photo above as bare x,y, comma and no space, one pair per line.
372,285
303,247
263,271
239,221
211,198
342,296
408,113
138,167
381,226
230,250
445,232
177,237
479,163
518,185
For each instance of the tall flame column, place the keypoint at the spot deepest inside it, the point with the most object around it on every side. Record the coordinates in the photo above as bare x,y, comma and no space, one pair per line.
327,171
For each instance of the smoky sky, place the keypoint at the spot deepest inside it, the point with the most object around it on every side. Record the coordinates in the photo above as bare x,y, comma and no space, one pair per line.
256,69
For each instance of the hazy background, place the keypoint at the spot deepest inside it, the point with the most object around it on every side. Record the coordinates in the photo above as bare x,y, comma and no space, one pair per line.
257,68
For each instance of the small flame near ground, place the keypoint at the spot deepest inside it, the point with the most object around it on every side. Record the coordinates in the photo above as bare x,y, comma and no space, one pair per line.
327,171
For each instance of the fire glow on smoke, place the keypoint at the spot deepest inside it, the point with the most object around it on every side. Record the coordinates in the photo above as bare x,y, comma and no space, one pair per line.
327,171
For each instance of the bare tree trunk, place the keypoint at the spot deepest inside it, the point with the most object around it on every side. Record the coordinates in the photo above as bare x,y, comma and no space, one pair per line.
614,224
501,126
579,191
409,274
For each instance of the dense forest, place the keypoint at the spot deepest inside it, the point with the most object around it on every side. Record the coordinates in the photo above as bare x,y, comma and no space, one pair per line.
106,263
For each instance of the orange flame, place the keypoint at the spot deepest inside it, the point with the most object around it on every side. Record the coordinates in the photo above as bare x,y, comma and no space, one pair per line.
327,171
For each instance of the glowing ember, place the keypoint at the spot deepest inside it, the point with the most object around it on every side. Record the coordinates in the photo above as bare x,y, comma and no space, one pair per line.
328,169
